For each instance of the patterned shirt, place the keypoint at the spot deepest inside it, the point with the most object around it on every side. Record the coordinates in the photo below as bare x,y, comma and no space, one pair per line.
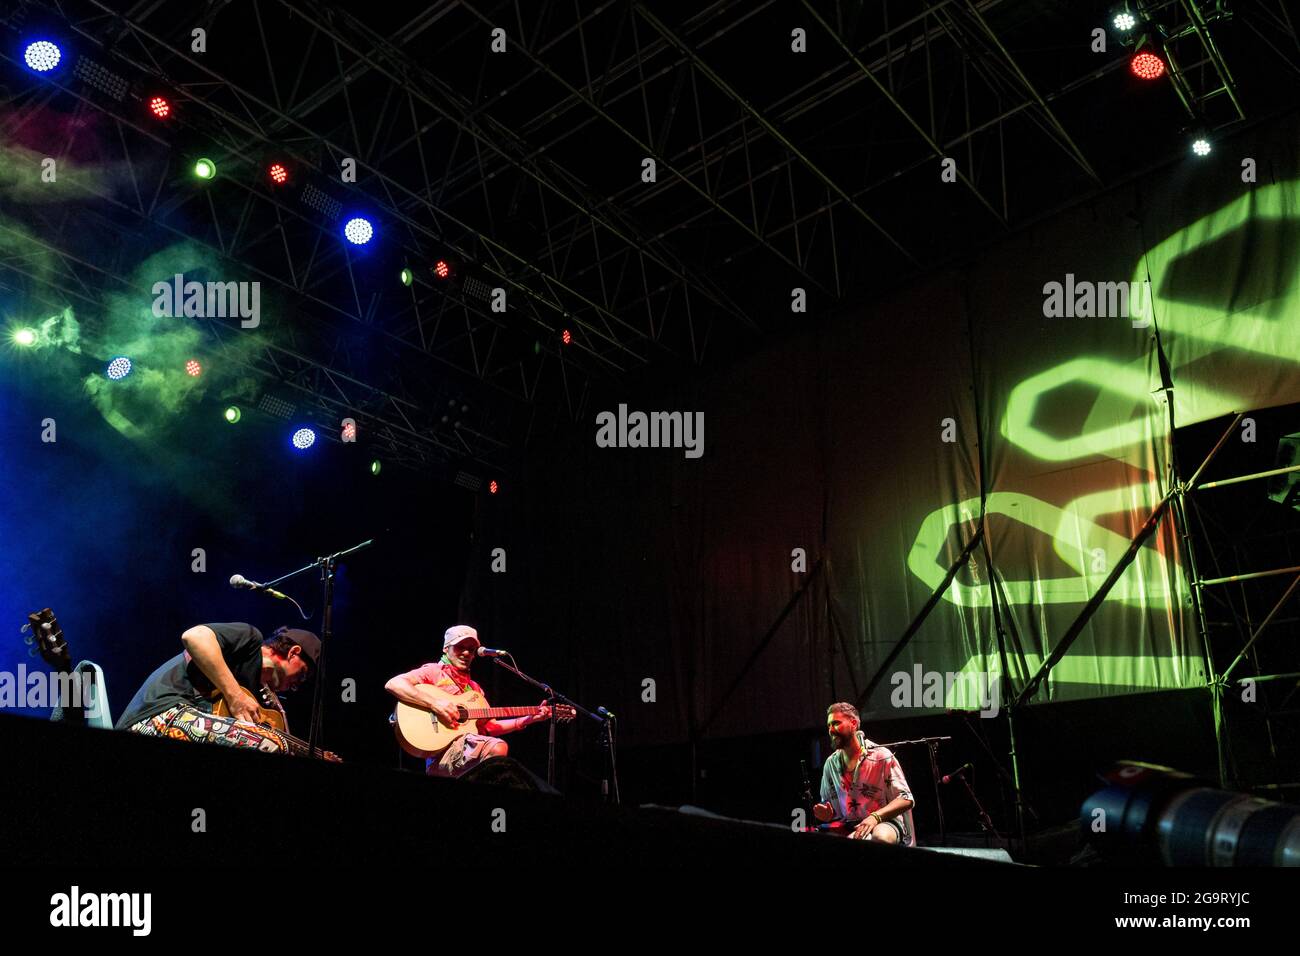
446,678
876,781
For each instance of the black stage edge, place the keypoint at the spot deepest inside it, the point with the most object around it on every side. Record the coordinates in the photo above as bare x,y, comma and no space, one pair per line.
108,798
303,850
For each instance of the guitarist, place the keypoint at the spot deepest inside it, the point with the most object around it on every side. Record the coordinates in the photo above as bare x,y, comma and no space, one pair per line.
221,659
427,687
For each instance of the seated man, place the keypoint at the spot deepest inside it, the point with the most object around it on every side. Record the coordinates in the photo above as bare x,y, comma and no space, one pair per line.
226,660
429,687
863,785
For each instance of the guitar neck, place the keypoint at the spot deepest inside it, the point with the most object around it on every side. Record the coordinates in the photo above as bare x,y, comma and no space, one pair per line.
299,747
489,713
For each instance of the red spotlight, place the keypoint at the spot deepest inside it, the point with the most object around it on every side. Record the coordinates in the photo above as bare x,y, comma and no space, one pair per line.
350,431
566,337
492,487
160,107
193,368
441,269
1147,66
279,175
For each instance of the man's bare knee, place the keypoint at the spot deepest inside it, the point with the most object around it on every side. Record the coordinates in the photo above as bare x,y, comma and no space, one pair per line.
884,835
498,748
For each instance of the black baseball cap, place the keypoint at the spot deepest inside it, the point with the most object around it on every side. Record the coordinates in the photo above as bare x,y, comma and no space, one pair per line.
308,641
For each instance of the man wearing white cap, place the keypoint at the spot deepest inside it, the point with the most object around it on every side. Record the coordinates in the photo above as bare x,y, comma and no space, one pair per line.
449,677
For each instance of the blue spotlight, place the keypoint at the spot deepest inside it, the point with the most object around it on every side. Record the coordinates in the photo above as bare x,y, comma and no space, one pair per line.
119,368
42,56
304,438
358,231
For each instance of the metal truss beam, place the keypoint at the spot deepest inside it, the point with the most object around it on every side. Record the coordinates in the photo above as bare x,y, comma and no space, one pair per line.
771,129
244,118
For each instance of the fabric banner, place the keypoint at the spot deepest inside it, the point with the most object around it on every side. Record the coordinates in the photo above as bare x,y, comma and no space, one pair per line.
844,470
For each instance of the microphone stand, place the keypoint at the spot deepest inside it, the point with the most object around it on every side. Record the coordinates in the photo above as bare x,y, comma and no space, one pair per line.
932,744
328,565
1002,773
986,822
603,716
807,794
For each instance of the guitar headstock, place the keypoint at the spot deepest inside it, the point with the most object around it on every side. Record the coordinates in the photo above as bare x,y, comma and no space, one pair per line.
47,639
563,713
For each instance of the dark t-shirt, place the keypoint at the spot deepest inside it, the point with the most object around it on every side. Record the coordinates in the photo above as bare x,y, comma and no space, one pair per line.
181,682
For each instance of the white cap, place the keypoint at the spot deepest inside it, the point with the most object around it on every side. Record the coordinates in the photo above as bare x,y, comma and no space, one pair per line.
457,633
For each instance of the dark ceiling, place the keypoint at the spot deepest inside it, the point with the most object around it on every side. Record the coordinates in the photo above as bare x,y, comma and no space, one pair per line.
775,169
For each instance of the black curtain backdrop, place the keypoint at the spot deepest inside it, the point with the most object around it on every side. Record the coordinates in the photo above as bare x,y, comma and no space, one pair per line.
631,566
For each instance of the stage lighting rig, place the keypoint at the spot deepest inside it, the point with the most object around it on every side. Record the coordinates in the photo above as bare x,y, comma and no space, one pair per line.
470,482
42,55
358,230
277,407
326,205
1147,65
1122,18
476,288
118,368
1177,40
98,77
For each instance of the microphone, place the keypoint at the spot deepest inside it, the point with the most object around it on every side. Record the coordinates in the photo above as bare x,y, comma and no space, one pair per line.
956,773
491,652
239,581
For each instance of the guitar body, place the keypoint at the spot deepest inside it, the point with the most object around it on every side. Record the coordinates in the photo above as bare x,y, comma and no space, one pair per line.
266,716
421,734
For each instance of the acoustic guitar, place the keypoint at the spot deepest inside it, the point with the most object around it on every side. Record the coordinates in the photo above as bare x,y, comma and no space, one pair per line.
47,639
421,734
272,723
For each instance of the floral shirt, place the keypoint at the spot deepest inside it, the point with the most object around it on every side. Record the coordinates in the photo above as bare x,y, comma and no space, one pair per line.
876,781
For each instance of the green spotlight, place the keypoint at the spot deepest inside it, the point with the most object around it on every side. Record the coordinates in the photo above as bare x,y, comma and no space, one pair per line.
375,466
25,337
407,277
205,169
233,414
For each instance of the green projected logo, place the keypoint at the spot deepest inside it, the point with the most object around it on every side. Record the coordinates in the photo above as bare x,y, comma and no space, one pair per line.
1225,307
1111,428
1087,547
